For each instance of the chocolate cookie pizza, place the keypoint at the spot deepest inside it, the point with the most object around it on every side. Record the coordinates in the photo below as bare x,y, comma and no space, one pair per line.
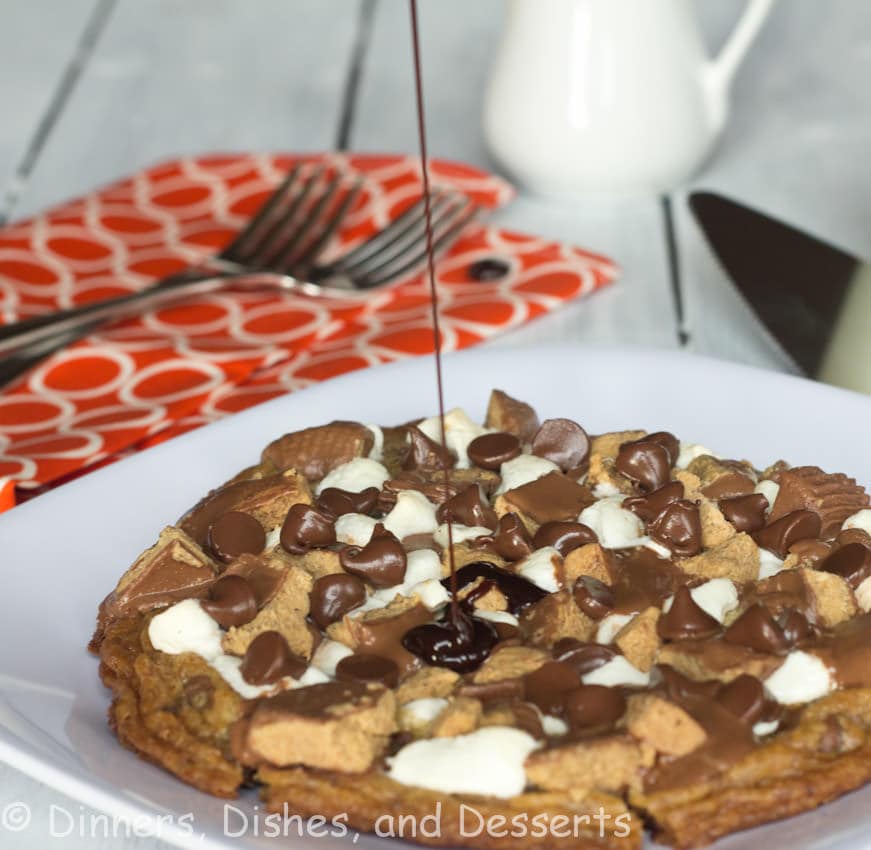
531,636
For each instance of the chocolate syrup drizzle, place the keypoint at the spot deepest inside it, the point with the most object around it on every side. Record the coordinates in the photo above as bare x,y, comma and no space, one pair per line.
434,301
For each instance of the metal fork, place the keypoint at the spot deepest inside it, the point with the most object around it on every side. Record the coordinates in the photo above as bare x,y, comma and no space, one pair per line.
275,251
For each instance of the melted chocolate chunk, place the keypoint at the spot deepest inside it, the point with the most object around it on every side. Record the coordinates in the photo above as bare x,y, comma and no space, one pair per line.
306,526
552,497
593,597
680,688
686,619
490,451
337,502
489,268
365,667
644,579
563,442
594,707
518,591
333,596
645,463
512,540
268,659
235,533
548,686
231,602
851,562
744,697
732,485
564,536
779,535
468,508
460,644
504,690
583,657
650,506
381,561
746,513
758,630
678,527
795,625
426,454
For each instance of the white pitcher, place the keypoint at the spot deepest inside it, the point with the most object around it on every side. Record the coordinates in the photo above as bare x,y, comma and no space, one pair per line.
615,96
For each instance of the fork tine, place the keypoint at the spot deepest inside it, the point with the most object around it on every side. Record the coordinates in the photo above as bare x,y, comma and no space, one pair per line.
235,251
300,265
282,254
443,237
394,231
400,249
276,231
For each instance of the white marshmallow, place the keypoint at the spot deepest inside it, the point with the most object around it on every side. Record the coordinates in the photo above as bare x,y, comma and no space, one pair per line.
769,564
460,430
355,476
769,489
689,452
610,625
378,444
328,654
615,527
541,568
860,519
617,671
413,513
522,470
488,761
355,529
801,678
459,533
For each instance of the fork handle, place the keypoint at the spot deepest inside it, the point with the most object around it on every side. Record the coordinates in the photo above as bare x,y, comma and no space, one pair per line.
193,281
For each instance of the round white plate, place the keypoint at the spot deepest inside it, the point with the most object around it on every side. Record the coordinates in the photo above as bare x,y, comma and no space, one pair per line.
62,552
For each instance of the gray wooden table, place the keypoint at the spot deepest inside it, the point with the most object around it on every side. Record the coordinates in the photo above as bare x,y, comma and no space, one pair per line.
92,89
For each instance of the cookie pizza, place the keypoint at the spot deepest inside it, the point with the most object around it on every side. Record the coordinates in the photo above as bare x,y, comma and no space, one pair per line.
532,636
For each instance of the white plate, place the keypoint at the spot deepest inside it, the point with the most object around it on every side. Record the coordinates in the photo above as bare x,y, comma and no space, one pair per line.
64,551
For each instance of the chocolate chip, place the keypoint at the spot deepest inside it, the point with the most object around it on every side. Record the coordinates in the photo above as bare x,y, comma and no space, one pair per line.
851,562
668,441
679,527
469,509
645,463
548,686
758,630
381,561
512,540
779,535
235,533
268,659
490,451
337,502
231,602
648,507
563,442
306,526
593,597
746,513
334,595
594,706
686,619
584,657
564,536
424,453
365,667
488,269
744,697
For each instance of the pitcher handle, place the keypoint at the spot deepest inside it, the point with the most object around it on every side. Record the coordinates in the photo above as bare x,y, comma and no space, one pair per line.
724,66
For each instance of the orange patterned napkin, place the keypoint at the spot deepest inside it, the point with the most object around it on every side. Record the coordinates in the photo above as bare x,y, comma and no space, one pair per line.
176,368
